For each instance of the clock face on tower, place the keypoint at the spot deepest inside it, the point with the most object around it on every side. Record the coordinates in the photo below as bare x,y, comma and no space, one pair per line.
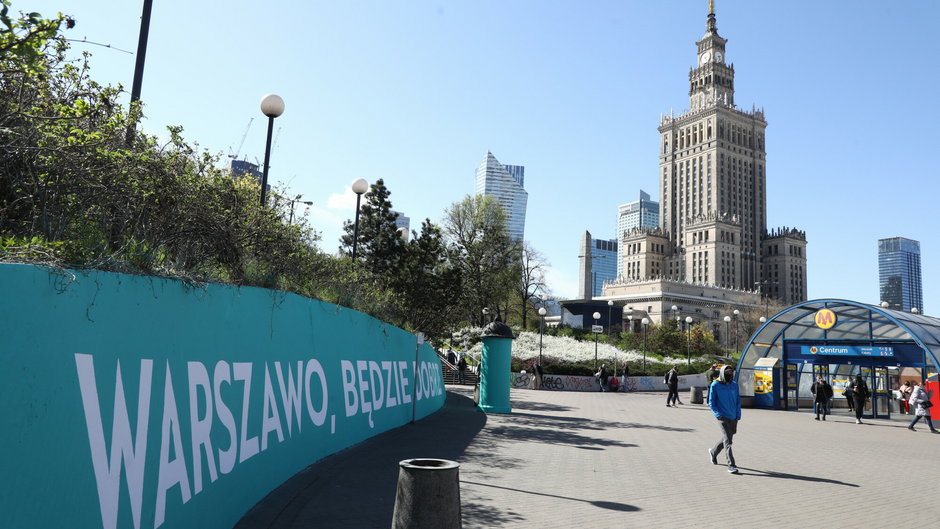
704,59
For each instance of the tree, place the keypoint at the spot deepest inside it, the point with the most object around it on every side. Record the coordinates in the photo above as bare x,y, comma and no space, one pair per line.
428,283
486,254
380,245
532,278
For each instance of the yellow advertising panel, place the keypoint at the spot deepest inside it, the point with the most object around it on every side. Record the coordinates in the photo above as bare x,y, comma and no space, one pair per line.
763,382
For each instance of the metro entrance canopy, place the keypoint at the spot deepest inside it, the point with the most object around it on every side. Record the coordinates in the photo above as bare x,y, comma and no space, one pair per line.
838,331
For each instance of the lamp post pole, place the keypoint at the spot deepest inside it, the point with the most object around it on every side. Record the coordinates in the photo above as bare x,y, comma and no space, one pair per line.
486,316
727,330
688,341
542,312
297,201
359,187
646,322
735,313
610,323
597,316
674,309
272,106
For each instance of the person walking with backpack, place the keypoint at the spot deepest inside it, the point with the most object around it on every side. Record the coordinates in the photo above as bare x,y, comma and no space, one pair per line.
859,396
920,400
724,400
672,382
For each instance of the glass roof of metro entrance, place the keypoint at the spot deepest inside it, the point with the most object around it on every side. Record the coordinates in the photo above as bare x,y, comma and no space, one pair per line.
855,321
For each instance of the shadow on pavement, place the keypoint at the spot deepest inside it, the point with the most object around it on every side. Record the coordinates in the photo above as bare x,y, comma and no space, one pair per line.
356,487
783,475
613,506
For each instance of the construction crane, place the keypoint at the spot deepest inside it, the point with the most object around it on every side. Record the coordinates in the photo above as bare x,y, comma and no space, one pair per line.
276,136
241,143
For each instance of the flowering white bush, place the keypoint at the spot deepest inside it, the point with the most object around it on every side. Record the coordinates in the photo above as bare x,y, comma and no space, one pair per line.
567,349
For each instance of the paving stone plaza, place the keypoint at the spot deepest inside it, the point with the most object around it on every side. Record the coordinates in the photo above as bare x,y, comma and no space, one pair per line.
571,459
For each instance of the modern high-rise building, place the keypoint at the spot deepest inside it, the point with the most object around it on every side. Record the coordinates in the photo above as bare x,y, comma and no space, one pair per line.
899,273
401,221
643,213
712,236
505,183
605,262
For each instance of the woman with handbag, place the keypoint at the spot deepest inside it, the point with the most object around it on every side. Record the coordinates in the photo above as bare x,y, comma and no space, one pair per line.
921,401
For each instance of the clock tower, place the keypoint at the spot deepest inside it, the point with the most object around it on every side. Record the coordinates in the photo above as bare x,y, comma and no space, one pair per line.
712,80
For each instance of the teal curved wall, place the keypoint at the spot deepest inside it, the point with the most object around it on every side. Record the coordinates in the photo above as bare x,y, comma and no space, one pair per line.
133,401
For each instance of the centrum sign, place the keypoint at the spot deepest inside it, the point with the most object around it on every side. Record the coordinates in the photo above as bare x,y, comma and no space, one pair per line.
847,350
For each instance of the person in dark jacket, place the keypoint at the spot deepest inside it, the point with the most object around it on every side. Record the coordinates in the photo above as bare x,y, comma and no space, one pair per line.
849,396
823,393
602,376
859,396
725,403
672,382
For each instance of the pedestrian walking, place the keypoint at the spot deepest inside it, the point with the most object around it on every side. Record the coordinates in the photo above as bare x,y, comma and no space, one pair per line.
906,391
920,400
461,367
849,396
725,403
672,383
602,376
823,392
860,395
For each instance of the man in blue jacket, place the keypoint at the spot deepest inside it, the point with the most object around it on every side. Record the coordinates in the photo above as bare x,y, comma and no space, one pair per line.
725,402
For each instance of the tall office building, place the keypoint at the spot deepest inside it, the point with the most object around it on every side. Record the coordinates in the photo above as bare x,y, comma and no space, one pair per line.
643,213
604,262
899,273
505,183
712,236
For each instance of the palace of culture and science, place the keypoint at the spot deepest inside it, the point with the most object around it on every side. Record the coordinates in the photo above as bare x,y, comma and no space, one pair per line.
712,251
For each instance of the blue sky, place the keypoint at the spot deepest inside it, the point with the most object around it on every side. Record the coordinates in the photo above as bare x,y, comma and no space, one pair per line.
416,92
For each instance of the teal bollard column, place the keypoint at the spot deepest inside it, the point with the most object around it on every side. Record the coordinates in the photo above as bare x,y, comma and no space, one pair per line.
495,368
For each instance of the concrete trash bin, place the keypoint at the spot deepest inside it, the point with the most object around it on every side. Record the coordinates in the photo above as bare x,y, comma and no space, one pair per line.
428,495
695,395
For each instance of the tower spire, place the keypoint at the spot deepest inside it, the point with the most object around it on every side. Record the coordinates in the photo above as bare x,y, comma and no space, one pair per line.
711,27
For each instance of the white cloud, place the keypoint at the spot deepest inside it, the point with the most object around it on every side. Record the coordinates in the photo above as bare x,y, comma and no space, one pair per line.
344,201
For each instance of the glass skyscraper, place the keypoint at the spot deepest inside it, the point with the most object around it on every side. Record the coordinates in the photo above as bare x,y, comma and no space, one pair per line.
899,273
505,183
604,263
643,213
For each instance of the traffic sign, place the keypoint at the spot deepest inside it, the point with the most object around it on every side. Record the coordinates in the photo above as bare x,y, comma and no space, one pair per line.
597,328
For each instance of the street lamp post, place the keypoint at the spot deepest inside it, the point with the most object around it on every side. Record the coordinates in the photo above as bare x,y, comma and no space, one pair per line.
646,322
688,341
630,319
297,201
735,312
674,309
542,312
727,330
359,187
610,323
272,106
486,316
597,316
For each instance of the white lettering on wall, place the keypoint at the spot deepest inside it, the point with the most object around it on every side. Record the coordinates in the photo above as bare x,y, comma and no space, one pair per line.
249,445
200,426
291,394
314,368
226,457
270,419
171,472
125,450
